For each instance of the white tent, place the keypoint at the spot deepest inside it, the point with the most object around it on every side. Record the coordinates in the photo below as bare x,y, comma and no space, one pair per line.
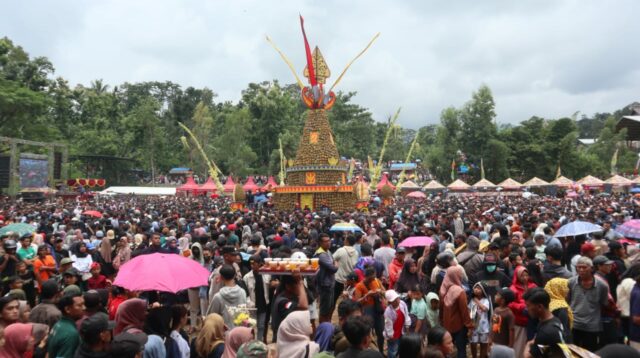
138,190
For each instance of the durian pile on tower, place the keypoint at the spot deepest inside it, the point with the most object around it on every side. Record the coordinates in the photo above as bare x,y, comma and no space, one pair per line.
317,177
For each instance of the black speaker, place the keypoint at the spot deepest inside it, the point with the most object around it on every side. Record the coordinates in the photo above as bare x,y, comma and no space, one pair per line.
5,166
57,165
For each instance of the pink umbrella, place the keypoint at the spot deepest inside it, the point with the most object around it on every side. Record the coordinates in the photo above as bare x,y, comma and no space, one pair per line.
416,195
161,272
416,241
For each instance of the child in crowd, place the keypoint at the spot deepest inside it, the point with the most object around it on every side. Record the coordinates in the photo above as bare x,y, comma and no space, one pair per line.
97,280
396,321
419,320
433,309
480,310
503,319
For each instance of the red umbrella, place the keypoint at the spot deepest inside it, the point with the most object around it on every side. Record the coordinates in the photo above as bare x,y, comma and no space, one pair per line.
161,272
94,213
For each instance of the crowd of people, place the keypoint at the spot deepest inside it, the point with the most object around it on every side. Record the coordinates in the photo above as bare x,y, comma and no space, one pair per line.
493,280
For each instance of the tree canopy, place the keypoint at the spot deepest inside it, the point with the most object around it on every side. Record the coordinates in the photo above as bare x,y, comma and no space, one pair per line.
140,121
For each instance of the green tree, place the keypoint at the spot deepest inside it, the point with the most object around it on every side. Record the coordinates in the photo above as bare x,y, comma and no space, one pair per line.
478,125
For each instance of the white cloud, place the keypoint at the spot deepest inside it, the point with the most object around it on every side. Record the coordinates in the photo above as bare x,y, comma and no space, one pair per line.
546,58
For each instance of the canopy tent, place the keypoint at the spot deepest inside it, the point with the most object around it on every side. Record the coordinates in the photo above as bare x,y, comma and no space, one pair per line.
208,187
562,182
433,185
385,181
270,185
510,184
189,187
618,181
483,184
138,190
416,195
250,185
636,180
535,182
591,182
229,185
409,185
458,185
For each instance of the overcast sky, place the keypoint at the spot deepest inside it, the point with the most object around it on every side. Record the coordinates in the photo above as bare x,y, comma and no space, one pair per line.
546,58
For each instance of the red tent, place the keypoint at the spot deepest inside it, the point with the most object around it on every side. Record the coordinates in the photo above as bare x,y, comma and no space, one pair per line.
229,185
189,187
208,187
250,185
385,181
271,183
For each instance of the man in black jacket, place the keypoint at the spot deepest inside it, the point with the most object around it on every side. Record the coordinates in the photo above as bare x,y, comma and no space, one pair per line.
492,278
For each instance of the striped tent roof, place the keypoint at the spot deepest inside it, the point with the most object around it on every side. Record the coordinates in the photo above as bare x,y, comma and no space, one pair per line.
619,180
483,183
590,180
458,185
535,181
433,185
563,182
409,185
510,184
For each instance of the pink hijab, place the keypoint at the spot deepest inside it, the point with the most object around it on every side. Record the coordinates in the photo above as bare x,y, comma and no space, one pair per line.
451,287
234,339
16,338
131,313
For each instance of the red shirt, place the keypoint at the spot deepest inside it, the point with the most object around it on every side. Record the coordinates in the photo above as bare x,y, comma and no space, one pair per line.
95,283
398,324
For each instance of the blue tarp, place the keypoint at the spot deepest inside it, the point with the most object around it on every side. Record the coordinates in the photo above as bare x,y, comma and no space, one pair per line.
405,166
179,170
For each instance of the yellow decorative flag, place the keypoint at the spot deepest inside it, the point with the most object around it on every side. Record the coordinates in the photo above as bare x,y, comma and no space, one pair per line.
614,163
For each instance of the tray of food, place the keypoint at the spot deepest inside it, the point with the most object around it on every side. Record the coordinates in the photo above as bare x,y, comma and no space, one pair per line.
277,266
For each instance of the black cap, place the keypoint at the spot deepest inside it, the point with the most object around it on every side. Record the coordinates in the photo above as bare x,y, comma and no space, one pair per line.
228,249
602,260
614,245
401,250
96,324
71,272
128,344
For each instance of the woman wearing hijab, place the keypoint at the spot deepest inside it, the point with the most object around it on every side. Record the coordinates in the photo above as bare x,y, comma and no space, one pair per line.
194,293
123,253
210,340
104,255
455,313
22,338
293,336
558,290
130,314
236,337
408,277
519,286
157,326
183,242
172,246
81,259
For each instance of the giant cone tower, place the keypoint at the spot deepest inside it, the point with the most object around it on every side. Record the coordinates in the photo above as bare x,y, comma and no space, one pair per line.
317,178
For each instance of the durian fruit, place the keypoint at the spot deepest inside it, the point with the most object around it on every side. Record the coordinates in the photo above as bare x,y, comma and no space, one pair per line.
386,191
238,194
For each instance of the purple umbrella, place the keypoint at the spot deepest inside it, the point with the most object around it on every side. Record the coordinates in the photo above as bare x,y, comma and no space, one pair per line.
416,241
630,229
